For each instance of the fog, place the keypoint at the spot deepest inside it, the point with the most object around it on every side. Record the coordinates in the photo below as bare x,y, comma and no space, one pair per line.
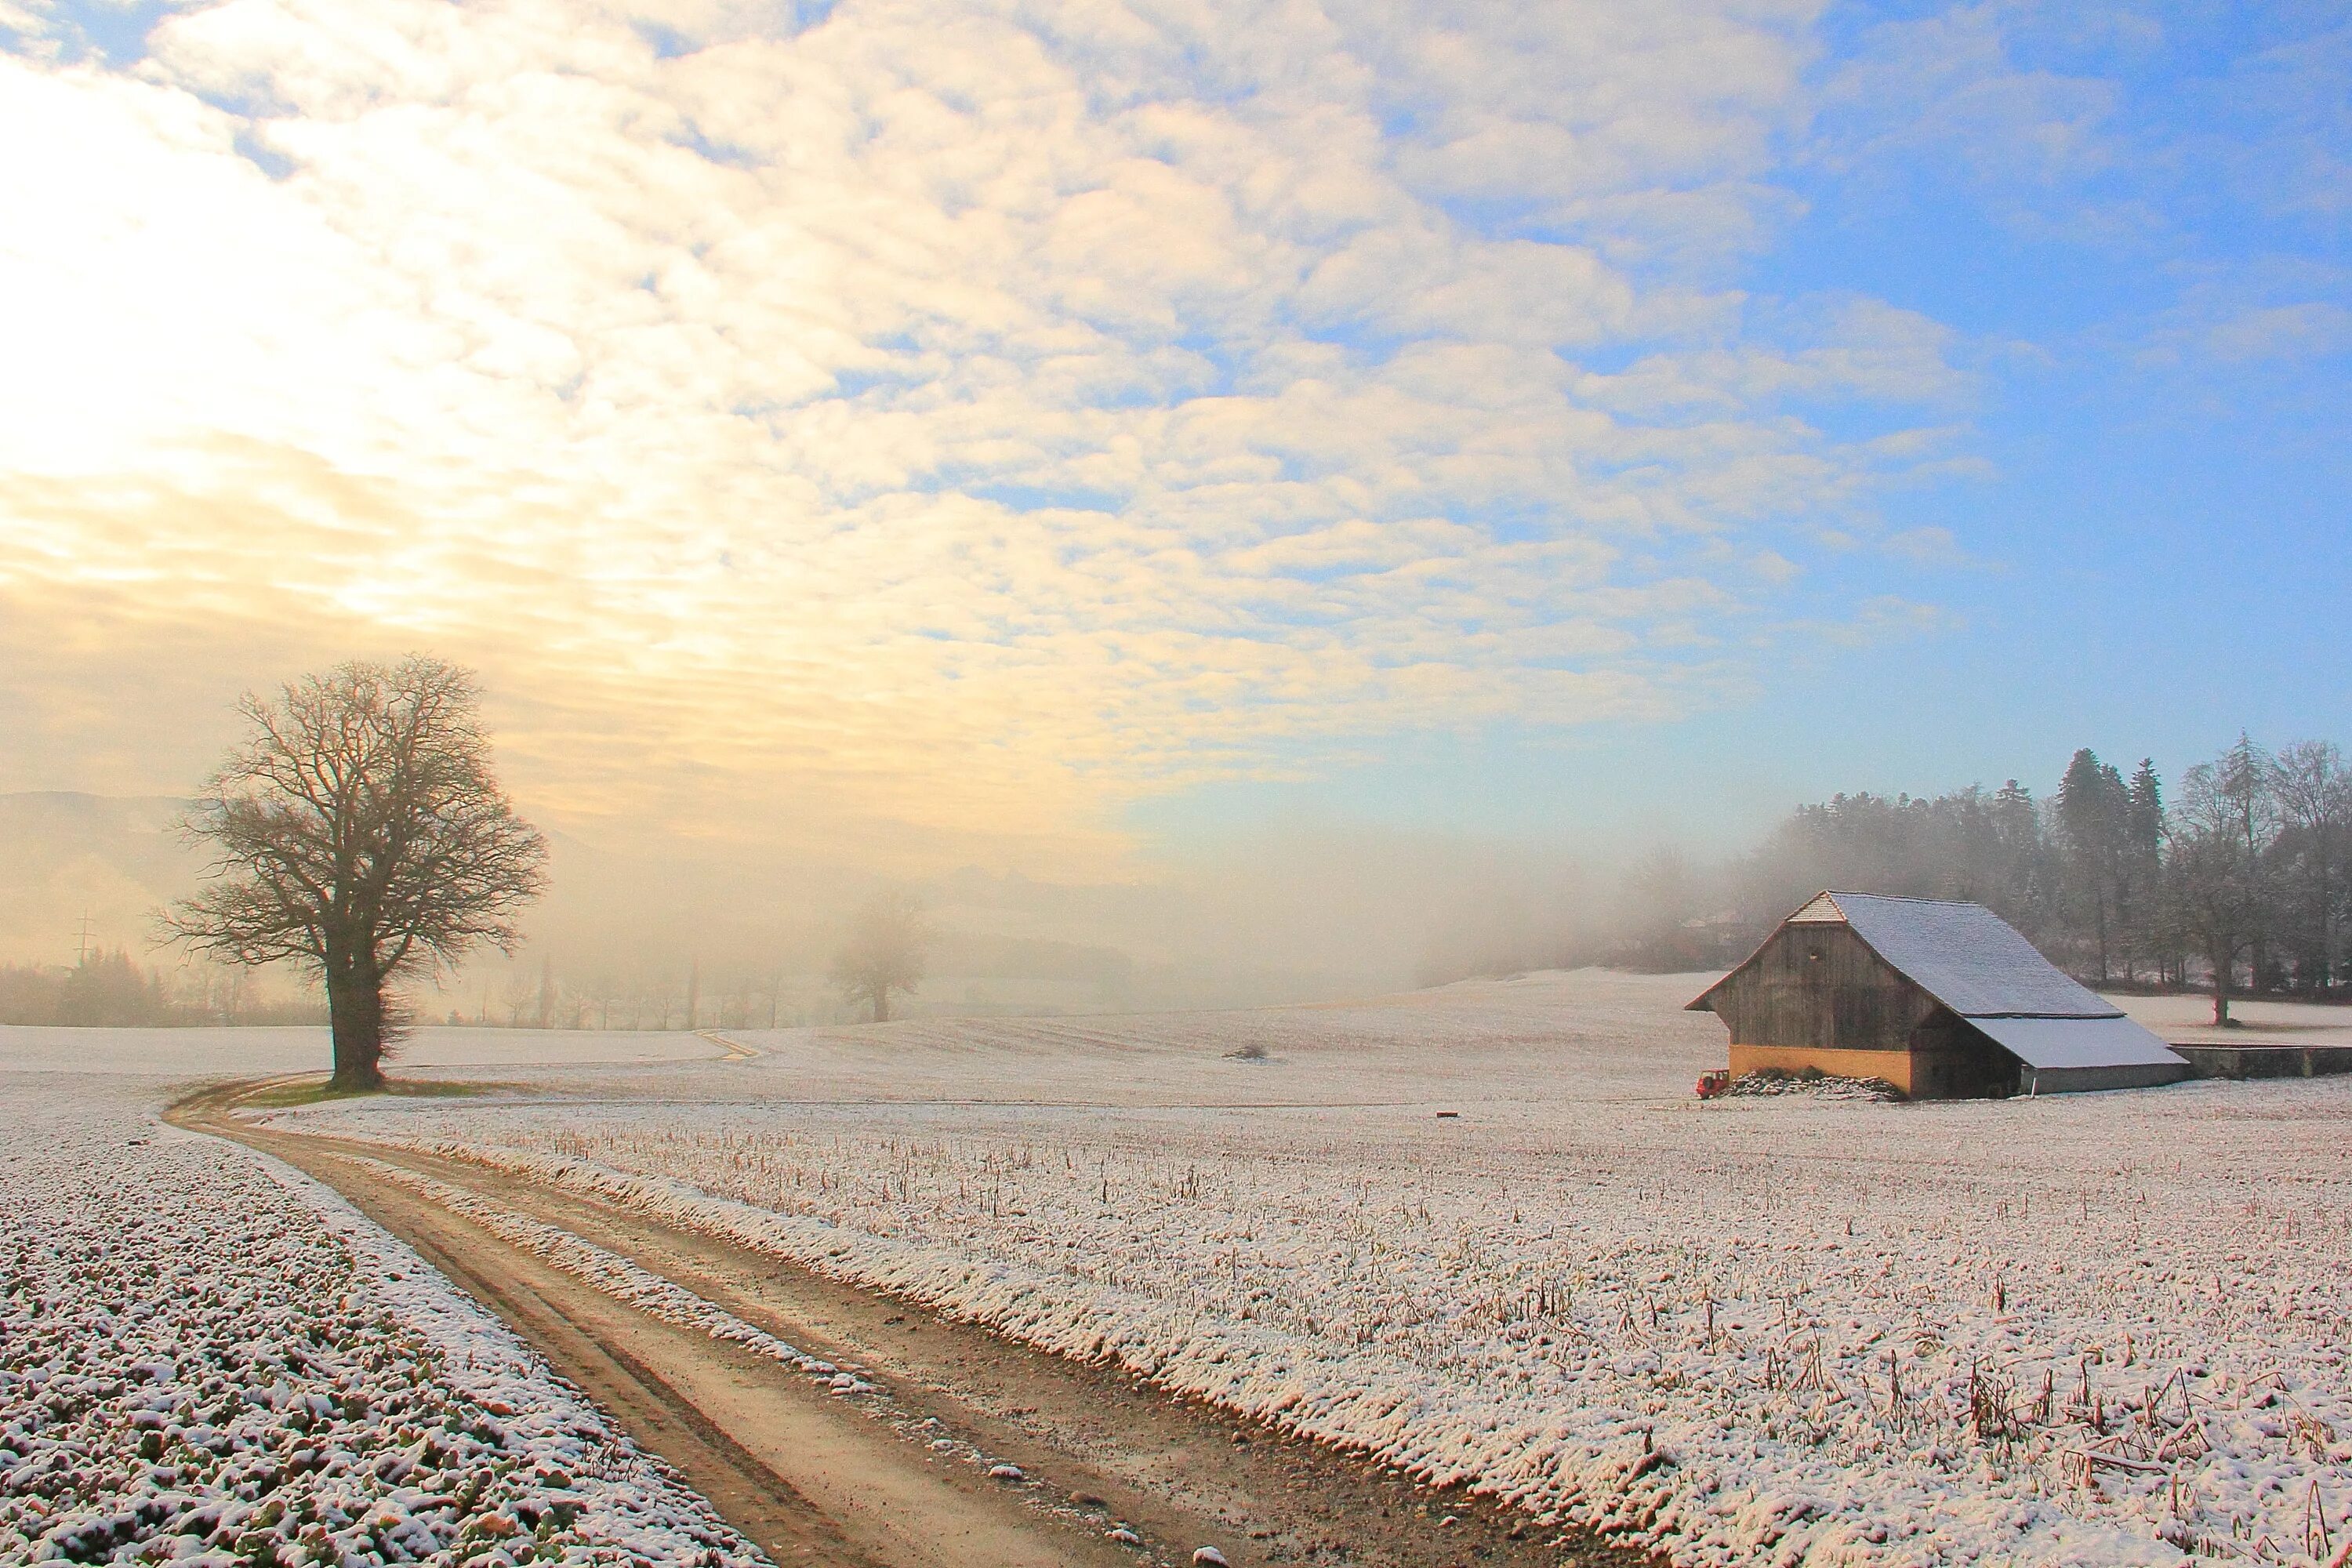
1290,913
2115,879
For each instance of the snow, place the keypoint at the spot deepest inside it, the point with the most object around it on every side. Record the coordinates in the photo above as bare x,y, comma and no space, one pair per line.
2080,1043
193,1053
2189,1019
1825,1087
2099,1328
205,1357
611,1273
1967,957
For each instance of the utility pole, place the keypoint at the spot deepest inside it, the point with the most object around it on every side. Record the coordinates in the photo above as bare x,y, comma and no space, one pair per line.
81,943
693,990
546,989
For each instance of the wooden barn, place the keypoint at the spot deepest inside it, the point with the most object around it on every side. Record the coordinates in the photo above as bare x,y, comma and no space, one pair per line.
1943,1000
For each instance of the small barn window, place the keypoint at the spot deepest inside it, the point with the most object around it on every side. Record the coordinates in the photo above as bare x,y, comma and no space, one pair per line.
1813,953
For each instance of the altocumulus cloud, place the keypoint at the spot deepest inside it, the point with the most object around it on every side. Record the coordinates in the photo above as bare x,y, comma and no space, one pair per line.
925,423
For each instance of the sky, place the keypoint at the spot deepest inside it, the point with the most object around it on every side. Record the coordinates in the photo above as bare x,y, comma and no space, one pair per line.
1082,439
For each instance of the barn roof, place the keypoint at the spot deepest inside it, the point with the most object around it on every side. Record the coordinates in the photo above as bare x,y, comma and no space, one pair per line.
1962,954
2069,1043
1967,958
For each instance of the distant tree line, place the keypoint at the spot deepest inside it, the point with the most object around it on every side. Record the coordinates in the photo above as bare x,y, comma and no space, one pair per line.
2242,880
687,995
107,990
113,989
884,954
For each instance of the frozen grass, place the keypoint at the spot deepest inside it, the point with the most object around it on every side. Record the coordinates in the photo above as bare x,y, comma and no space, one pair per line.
2098,1328
205,1357
318,1091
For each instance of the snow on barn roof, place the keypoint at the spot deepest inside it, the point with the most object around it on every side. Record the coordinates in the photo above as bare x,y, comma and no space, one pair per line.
2062,1044
1964,955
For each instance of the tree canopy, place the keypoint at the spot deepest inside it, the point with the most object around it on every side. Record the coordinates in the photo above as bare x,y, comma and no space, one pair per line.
887,952
358,831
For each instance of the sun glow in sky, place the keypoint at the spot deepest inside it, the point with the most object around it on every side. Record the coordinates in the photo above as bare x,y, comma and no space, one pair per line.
1015,434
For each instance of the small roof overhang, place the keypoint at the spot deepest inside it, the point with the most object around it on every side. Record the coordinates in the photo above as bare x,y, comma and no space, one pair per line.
2063,1043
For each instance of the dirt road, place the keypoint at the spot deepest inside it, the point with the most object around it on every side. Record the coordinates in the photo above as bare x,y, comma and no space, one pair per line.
974,1451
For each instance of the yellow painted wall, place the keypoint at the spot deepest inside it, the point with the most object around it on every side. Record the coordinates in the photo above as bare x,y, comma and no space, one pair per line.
1894,1066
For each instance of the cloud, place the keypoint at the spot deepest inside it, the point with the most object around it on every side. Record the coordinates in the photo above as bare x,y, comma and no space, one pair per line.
929,427
1928,546
2179,133
1832,351
1951,85
2251,321
2308,329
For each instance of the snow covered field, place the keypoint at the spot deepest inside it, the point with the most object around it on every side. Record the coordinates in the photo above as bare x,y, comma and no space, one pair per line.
198,1053
205,1357
2101,1329
2188,1019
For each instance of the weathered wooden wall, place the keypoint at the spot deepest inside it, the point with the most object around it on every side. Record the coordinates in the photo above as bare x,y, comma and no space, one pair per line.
1817,997
1821,986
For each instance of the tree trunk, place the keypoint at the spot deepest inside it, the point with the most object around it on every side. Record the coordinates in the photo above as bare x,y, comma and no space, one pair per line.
2100,904
882,1003
355,1016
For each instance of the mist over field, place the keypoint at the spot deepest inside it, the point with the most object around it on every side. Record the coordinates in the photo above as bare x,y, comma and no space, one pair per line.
2107,876
1175,784
1303,915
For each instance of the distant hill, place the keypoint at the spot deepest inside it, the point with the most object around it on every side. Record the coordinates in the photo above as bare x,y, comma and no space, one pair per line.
64,855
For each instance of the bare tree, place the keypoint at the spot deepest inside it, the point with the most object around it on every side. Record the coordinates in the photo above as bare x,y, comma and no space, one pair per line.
769,988
358,831
889,942
600,992
2314,847
519,995
2221,833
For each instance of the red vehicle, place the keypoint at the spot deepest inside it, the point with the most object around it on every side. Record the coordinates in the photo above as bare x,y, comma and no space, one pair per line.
1712,1085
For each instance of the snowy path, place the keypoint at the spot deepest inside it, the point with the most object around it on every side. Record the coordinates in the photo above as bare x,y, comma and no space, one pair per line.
906,1473
205,1357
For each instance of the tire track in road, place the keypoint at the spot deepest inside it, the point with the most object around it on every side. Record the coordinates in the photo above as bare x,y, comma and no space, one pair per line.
820,1478
804,1475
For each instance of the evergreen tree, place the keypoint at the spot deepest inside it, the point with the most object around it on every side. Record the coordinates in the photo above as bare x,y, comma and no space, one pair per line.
2140,895
2093,808
2025,878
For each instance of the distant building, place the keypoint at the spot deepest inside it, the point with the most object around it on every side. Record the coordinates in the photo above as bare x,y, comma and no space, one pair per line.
1943,1000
